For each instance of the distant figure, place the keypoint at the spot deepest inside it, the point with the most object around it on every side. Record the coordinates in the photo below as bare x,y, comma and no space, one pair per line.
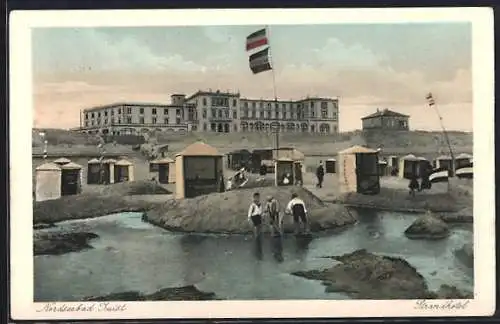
414,185
229,184
297,208
221,183
320,174
255,214
426,183
263,170
298,174
286,179
275,219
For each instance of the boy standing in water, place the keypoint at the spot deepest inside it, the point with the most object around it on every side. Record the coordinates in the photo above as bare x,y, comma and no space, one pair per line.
297,208
255,214
272,209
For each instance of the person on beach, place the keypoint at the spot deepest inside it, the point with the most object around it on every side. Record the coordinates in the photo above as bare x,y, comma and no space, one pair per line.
320,174
298,174
414,185
255,214
297,208
275,219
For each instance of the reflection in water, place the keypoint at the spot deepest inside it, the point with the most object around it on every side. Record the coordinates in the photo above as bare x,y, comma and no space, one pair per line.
277,248
302,246
258,247
372,222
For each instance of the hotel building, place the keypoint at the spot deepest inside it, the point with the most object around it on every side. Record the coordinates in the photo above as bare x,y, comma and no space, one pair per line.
214,111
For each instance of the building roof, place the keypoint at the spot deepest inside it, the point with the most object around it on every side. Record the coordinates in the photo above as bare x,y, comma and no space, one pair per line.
62,160
464,156
357,149
71,166
48,167
210,92
93,161
421,158
199,149
382,162
443,157
241,151
332,159
164,160
123,162
409,157
386,113
285,159
109,161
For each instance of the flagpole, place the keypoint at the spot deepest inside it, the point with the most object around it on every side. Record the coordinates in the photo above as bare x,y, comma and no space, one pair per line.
432,103
277,136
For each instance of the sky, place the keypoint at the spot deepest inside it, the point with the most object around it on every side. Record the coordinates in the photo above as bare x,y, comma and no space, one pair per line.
368,66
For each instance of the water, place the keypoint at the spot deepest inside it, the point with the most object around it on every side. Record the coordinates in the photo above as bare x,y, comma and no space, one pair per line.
132,255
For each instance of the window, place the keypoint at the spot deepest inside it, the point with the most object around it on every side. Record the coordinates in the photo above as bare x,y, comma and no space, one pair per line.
92,123
153,111
234,102
119,111
204,113
220,113
235,127
106,113
276,113
86,116
254,114
153,120
178,112
245,104
334,116
98,114
141,110
253,105
324,112
177,120
324,105
205,126
112,112
141,120
235,115
165,120
204,101
129,120
92,115
312,104
261,104
129,110
276,105
86,124
268,105
284,114
165,111
214,113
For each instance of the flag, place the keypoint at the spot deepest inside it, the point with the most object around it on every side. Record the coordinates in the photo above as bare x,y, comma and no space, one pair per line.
430,99
257,39
439,175
259,62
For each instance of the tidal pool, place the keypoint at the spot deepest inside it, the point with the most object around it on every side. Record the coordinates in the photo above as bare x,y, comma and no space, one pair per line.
132,255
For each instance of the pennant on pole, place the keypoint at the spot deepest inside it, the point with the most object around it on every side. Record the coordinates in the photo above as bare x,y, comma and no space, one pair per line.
430,99
257,39
260,62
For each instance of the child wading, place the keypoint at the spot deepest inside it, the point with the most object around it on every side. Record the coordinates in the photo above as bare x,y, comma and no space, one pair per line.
297,208
273,211
255,214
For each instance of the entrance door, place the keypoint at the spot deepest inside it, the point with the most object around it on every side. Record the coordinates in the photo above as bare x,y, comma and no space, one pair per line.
226,128
69,182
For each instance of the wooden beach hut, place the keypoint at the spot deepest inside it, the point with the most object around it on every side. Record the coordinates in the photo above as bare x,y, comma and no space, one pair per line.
199,171
93,170
284,175
382,167
123,171
393,165
330,165
408,166
462,160
47,182
445,162
165,169
358,170
71,179
62,161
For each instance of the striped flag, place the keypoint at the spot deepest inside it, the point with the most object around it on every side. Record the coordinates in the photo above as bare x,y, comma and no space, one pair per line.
439,175
430,99
465,172
259,62
257,39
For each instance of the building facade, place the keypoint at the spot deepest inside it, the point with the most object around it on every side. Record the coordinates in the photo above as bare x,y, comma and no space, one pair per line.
214,111
386,120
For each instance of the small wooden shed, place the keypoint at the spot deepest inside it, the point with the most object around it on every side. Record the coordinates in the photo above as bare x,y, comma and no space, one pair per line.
330,165
284,169
445,162
93,171
71,179
358,170
463,160
47,181
123,171
199,171
382,167
408,166
62,161
166,170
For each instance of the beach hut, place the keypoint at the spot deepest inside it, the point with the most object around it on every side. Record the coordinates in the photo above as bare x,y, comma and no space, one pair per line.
199,171
424,166
93,170
284,175
382,167
62,161
330,165
463,160
445,162
165,168
408,166
107,171
238,159
358,170
71,179
123,171
47,182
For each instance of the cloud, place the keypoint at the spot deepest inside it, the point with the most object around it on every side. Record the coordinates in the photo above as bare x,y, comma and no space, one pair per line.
353,56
